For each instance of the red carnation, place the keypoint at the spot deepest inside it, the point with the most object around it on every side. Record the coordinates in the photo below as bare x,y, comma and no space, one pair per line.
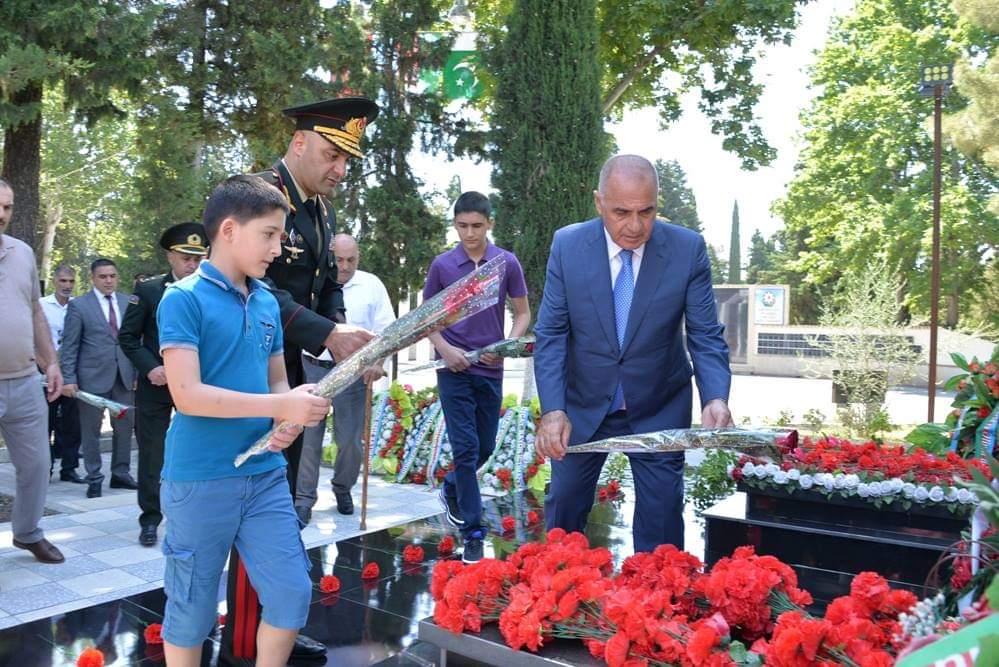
153,633
90,657
532,518
370,571
509,523
446,546
221,619
413,554
616,650
984,412
701,643
329,584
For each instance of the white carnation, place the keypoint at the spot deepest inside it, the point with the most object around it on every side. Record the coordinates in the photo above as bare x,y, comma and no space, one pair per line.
851,481
839,481
896,484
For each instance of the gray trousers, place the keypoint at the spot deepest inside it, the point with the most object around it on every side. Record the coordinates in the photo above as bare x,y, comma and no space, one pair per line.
348,432
24,418
121,438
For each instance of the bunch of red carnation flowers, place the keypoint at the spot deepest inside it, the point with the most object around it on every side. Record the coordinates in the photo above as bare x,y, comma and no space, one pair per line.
664,608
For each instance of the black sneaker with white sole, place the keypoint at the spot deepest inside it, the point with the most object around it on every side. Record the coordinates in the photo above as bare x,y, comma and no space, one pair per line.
451,511
472,552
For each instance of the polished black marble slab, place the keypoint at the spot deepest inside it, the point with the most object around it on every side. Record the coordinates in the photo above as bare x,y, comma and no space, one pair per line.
488,647
826,554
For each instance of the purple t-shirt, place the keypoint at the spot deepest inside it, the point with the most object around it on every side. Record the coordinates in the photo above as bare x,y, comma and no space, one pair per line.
482,328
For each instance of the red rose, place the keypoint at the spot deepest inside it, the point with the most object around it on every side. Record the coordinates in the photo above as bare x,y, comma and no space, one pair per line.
153,633
90,657
329,584
370,571
532,518
509,523
412,554
984,412
446,546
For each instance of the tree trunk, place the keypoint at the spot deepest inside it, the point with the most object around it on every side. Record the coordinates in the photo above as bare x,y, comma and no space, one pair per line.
53,216
22,165
952,313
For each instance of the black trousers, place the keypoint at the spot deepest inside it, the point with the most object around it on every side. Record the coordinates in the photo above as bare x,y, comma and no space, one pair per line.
64,423
152,418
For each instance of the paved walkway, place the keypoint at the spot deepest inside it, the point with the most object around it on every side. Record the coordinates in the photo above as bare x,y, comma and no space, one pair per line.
104,561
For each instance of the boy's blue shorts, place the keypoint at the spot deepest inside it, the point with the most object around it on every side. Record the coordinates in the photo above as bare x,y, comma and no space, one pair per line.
204,519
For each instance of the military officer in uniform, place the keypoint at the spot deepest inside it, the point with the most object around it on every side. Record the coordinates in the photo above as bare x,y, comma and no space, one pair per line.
139,339
326,135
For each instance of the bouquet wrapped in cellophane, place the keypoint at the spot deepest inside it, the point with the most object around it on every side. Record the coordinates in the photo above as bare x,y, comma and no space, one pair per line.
769,442
117,410
470,295
508,348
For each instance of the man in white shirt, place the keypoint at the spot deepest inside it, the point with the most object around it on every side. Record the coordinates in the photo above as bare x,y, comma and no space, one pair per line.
369,307
64,417
92,361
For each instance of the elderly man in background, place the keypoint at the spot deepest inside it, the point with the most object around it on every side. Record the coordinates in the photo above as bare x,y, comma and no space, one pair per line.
94,363
369,307
64,416
25,347
620,290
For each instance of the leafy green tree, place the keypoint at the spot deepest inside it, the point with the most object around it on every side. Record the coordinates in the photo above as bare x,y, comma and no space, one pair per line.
761,258
676,200
91,47
719,269
399,232
862,189
734,258
549,138
650,52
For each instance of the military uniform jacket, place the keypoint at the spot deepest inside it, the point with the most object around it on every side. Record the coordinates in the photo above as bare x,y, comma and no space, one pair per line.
304,276
138,336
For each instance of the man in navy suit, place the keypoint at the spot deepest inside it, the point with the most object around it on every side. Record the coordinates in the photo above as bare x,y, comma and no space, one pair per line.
610,359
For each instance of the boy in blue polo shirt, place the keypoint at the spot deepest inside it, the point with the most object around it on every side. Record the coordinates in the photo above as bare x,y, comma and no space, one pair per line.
471,394
220,335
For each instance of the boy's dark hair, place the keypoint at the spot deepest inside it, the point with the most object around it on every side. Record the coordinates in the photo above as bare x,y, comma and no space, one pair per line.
101,261
473,202
241,198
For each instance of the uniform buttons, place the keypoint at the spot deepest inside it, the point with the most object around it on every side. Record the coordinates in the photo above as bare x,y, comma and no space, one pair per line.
317,273
288,261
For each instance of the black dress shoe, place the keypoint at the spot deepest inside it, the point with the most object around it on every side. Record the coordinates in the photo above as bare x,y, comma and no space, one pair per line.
94,490
147,536
344,503
125,482
71,476
307,648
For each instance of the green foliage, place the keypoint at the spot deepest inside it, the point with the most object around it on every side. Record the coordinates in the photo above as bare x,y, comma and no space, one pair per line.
760,268
785,418
868,348
710,481
719,267
734,259
676,200
549,141
80,44
650,52
862,188
399,232
616,467
814,419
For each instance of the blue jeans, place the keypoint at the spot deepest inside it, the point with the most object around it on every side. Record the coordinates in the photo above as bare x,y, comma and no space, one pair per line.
471,411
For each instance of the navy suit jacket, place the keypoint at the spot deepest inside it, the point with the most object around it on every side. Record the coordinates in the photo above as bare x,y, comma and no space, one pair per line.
577,360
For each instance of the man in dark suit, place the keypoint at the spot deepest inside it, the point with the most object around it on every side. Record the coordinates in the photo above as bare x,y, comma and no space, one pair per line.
92,361
327,134
610,359
139,338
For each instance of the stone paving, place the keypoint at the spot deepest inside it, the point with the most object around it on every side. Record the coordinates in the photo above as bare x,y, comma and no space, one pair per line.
104,560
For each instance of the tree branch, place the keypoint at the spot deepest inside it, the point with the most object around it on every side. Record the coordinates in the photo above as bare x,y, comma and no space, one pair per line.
629,79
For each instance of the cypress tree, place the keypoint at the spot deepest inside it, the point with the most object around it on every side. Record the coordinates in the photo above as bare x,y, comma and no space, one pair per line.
548,140
734,261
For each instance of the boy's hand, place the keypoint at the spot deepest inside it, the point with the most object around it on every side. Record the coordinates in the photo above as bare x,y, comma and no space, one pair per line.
283,438
301,407
454,358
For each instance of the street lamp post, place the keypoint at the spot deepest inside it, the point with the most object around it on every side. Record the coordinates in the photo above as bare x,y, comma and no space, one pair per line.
936,81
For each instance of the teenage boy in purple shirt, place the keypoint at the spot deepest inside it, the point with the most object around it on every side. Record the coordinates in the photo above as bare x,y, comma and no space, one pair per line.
471,394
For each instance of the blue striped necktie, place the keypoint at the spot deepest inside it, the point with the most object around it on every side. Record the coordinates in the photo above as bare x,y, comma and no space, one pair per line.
624,290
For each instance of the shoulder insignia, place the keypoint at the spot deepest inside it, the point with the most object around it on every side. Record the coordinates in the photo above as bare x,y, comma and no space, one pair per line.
133,298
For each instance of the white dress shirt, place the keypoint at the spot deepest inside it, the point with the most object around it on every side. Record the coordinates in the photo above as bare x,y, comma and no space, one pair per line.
55,315
368,304
105,302
614,257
